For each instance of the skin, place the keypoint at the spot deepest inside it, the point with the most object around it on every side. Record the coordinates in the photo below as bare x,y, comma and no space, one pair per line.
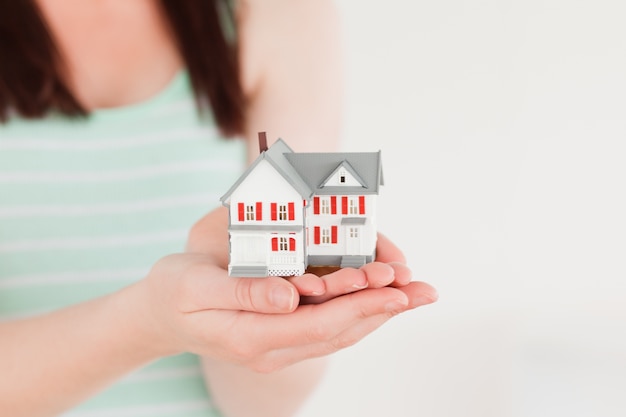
260,339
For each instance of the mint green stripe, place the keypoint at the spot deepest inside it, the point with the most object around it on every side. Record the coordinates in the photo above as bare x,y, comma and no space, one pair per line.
119,191
182,148
169,391
140,222
127,394
55,262
51,297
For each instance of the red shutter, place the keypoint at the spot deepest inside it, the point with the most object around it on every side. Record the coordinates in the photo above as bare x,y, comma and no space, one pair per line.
333,234
259,211
291,211
333,204
316,235
274,244
241,211
292,244
344,205
316,205
361,204
273,207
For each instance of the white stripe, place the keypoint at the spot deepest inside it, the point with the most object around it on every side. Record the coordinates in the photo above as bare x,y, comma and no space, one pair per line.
146,410
74,210
109,143
160,374
82,243
121,175
73,277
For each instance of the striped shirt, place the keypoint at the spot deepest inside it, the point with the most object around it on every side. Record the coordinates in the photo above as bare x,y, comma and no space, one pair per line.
88,206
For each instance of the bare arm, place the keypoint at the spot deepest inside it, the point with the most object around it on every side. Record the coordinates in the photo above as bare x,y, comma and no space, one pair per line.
70,354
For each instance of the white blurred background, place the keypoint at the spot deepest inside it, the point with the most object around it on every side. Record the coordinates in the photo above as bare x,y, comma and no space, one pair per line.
503,130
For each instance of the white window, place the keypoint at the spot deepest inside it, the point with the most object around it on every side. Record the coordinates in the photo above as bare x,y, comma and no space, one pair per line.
326,236
249,212
354,232
353,206
325,203
282,212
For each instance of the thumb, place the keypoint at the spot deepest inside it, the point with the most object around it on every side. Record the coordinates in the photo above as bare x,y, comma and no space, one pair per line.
210,287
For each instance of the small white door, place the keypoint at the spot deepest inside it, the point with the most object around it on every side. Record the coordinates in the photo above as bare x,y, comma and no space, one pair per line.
353,240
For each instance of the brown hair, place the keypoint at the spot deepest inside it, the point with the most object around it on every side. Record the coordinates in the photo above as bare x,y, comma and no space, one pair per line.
31,68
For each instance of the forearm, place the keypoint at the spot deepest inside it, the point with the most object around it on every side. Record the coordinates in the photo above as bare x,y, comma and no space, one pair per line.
50,363
241,392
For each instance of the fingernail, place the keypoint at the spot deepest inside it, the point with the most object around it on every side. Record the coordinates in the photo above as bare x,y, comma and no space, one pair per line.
283,297
396,305
361,284
425,299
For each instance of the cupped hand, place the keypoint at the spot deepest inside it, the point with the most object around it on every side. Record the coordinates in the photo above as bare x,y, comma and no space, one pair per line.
389,269
191,304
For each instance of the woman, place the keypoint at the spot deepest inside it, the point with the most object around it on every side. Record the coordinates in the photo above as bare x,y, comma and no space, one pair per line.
105,165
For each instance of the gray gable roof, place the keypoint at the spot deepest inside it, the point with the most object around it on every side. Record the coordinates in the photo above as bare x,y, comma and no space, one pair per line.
307,172
316,168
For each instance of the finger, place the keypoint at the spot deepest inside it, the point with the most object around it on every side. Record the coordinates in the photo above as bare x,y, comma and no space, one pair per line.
402,274
378,274
387,251
419,293
311,324
340,282
348,280
207,287
308,285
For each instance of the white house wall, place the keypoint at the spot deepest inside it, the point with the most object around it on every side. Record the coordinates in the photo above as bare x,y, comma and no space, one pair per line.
264,184
251,239
367,230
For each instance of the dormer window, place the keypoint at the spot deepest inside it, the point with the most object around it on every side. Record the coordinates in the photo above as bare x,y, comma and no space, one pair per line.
342,176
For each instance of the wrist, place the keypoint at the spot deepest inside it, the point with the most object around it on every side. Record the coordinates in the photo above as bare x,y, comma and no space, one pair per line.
137,319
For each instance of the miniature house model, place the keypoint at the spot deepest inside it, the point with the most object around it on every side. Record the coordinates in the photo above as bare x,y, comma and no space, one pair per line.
289,211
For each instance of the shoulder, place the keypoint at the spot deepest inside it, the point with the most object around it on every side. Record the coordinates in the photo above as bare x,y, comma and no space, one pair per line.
287,34
291,57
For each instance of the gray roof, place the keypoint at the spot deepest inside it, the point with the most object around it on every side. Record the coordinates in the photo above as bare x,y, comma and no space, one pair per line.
307,172
316,168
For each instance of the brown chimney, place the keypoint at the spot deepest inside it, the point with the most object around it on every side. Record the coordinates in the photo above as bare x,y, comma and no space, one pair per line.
262,142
